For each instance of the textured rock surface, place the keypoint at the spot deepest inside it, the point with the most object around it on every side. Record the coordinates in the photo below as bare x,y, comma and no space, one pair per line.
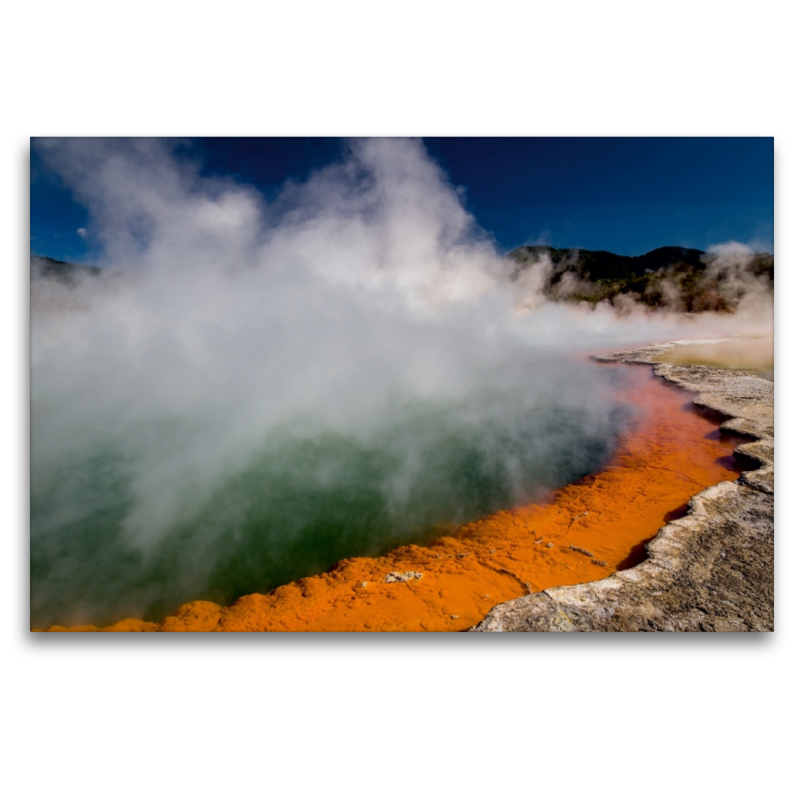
711,570
402,577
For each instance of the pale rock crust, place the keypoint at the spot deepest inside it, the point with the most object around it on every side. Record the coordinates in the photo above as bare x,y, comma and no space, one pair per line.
711,570
402,577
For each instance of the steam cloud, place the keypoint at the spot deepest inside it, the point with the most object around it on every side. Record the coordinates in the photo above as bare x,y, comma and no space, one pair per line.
225,329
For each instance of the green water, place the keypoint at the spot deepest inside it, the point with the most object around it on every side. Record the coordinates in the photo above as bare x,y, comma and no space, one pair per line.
299,505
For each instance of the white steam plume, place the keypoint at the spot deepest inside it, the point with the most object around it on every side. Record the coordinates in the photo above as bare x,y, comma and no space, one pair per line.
222,320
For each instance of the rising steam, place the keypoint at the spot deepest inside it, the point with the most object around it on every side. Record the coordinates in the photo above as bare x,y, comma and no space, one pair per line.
345,339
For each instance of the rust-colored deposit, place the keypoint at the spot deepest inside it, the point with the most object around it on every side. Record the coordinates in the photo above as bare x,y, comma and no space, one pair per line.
584,532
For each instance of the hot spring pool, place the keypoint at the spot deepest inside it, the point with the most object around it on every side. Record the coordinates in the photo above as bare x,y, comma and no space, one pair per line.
302,501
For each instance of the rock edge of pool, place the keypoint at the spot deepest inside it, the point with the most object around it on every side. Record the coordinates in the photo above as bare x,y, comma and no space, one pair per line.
711,570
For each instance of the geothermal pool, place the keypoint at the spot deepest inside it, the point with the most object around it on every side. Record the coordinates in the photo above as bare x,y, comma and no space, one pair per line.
252,388
477,507
305,498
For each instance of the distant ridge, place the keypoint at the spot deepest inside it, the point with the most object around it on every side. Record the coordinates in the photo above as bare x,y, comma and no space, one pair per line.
62,271
680,278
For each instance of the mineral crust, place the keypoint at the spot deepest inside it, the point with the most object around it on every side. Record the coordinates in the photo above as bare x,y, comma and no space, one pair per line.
711,570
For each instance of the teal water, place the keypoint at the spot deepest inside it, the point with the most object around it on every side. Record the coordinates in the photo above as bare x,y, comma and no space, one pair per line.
300,504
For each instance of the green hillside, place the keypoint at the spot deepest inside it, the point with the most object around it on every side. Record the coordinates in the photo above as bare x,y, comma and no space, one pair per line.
62,271
680,278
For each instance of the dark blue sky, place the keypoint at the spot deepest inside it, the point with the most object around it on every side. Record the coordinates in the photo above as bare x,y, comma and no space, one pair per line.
626,195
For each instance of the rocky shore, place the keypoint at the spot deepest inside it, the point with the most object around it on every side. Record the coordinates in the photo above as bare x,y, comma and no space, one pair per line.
711,570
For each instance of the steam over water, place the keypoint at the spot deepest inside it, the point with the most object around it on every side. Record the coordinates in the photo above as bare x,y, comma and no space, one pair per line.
302,500
253,390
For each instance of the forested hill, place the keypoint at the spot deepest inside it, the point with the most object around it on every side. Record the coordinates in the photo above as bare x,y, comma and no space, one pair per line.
677,277
63,271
